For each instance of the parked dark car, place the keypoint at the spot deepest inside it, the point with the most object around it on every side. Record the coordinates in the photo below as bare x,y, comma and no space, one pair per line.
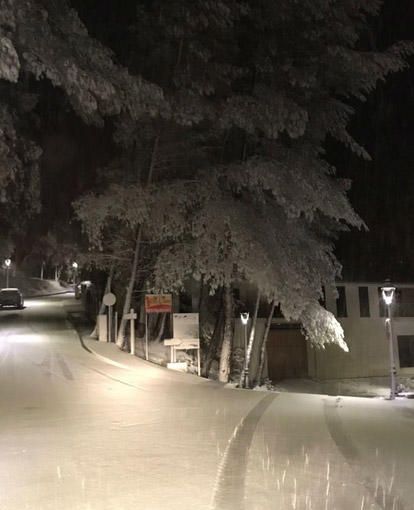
11,297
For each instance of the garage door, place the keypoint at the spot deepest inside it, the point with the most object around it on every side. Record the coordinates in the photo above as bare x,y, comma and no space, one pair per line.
286,354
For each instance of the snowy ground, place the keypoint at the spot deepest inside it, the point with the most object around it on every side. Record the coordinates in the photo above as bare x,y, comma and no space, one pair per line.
373,387
33,286
87,432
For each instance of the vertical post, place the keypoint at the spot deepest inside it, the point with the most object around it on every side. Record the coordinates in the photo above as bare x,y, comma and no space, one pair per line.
75,266
393,370
109,323
7,263
246,368
146,336
198,362
132,331
244,377
116,325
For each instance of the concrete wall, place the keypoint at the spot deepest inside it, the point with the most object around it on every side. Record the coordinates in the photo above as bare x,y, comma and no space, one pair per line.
368,354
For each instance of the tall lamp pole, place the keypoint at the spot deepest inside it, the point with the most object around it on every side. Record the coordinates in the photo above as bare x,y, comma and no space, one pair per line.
244,317
75,266
7,263
388,293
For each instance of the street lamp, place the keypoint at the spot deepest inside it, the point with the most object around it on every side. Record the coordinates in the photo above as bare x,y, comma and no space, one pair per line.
388,292
244,317
75,266
7,263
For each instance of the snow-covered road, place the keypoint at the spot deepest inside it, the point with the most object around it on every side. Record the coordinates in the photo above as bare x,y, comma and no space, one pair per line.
77,433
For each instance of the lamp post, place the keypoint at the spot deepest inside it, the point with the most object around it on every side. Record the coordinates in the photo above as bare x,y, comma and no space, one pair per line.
244,317
75,266
7,263
388,292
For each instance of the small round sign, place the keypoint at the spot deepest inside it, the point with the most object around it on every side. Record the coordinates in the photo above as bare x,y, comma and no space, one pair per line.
109,299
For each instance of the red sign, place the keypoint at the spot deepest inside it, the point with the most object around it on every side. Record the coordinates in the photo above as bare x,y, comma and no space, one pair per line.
158,303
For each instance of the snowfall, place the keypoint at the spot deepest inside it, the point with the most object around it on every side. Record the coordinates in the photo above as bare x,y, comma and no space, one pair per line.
88,427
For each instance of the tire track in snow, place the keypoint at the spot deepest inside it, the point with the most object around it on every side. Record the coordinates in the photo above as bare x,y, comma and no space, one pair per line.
229,488
66,371
386,499
45,365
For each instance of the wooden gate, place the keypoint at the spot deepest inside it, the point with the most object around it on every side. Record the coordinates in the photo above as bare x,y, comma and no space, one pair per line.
286,354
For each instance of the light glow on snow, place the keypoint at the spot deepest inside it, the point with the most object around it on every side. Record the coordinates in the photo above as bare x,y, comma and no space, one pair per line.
28,338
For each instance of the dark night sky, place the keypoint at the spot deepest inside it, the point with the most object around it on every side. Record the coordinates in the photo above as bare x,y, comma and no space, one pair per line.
383,189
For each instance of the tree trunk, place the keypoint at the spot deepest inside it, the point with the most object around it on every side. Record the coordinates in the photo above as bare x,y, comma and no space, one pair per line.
130,288
225,355
134,267
213,348
244,377
214,342
161,327
95,332
259,379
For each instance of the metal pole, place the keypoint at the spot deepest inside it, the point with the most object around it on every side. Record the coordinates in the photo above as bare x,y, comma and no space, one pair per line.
393,370
198,362
246,377
132,332
116,325
7,277
109,323
146,336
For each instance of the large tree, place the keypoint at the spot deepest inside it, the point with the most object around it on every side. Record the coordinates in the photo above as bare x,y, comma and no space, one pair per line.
266,85
45,40
270,215
222,114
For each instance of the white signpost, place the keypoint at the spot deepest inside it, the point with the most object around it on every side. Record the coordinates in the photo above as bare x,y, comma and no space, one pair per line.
185,336
109,300
103,328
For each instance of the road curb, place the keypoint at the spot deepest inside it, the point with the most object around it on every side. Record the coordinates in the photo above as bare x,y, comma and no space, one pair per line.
105,359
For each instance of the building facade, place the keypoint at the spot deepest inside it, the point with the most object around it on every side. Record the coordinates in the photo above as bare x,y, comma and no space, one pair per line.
359,308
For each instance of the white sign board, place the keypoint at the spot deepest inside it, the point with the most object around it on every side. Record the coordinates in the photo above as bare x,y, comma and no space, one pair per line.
186,325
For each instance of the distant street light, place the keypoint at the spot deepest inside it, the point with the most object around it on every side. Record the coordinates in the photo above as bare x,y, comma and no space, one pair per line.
75,266
388,292
244,317
7,263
